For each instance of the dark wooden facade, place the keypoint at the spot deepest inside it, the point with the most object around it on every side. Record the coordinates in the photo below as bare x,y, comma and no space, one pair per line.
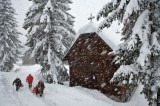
91,66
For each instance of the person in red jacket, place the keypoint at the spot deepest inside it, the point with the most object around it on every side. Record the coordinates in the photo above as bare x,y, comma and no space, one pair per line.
29,79
35,90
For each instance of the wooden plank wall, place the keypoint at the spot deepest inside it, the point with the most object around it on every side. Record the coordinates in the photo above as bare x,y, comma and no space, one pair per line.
91,66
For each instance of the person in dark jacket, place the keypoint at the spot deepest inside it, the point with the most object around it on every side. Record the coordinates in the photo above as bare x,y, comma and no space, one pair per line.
18,83
41,87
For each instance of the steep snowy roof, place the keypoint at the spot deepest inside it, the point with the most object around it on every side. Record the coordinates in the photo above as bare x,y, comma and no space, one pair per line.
92,27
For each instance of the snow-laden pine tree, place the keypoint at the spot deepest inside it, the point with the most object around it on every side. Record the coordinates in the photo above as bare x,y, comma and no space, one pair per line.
140,51
50,34
9,42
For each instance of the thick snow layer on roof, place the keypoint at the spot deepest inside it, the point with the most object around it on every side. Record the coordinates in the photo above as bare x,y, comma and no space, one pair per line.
92,27
88,28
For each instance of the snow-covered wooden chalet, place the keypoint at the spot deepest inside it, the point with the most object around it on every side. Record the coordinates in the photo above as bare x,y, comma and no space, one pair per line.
90,65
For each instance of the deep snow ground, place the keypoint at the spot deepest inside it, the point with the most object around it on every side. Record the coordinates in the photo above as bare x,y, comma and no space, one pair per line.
54,94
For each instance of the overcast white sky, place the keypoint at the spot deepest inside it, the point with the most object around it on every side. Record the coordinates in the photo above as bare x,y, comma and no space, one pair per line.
81,9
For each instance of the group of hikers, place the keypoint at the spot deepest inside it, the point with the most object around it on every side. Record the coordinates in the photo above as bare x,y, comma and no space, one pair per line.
38,89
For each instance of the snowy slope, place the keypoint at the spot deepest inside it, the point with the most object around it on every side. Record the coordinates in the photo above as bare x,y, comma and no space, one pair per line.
54,95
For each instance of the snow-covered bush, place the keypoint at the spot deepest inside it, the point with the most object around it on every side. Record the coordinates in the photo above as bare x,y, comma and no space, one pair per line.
126,76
